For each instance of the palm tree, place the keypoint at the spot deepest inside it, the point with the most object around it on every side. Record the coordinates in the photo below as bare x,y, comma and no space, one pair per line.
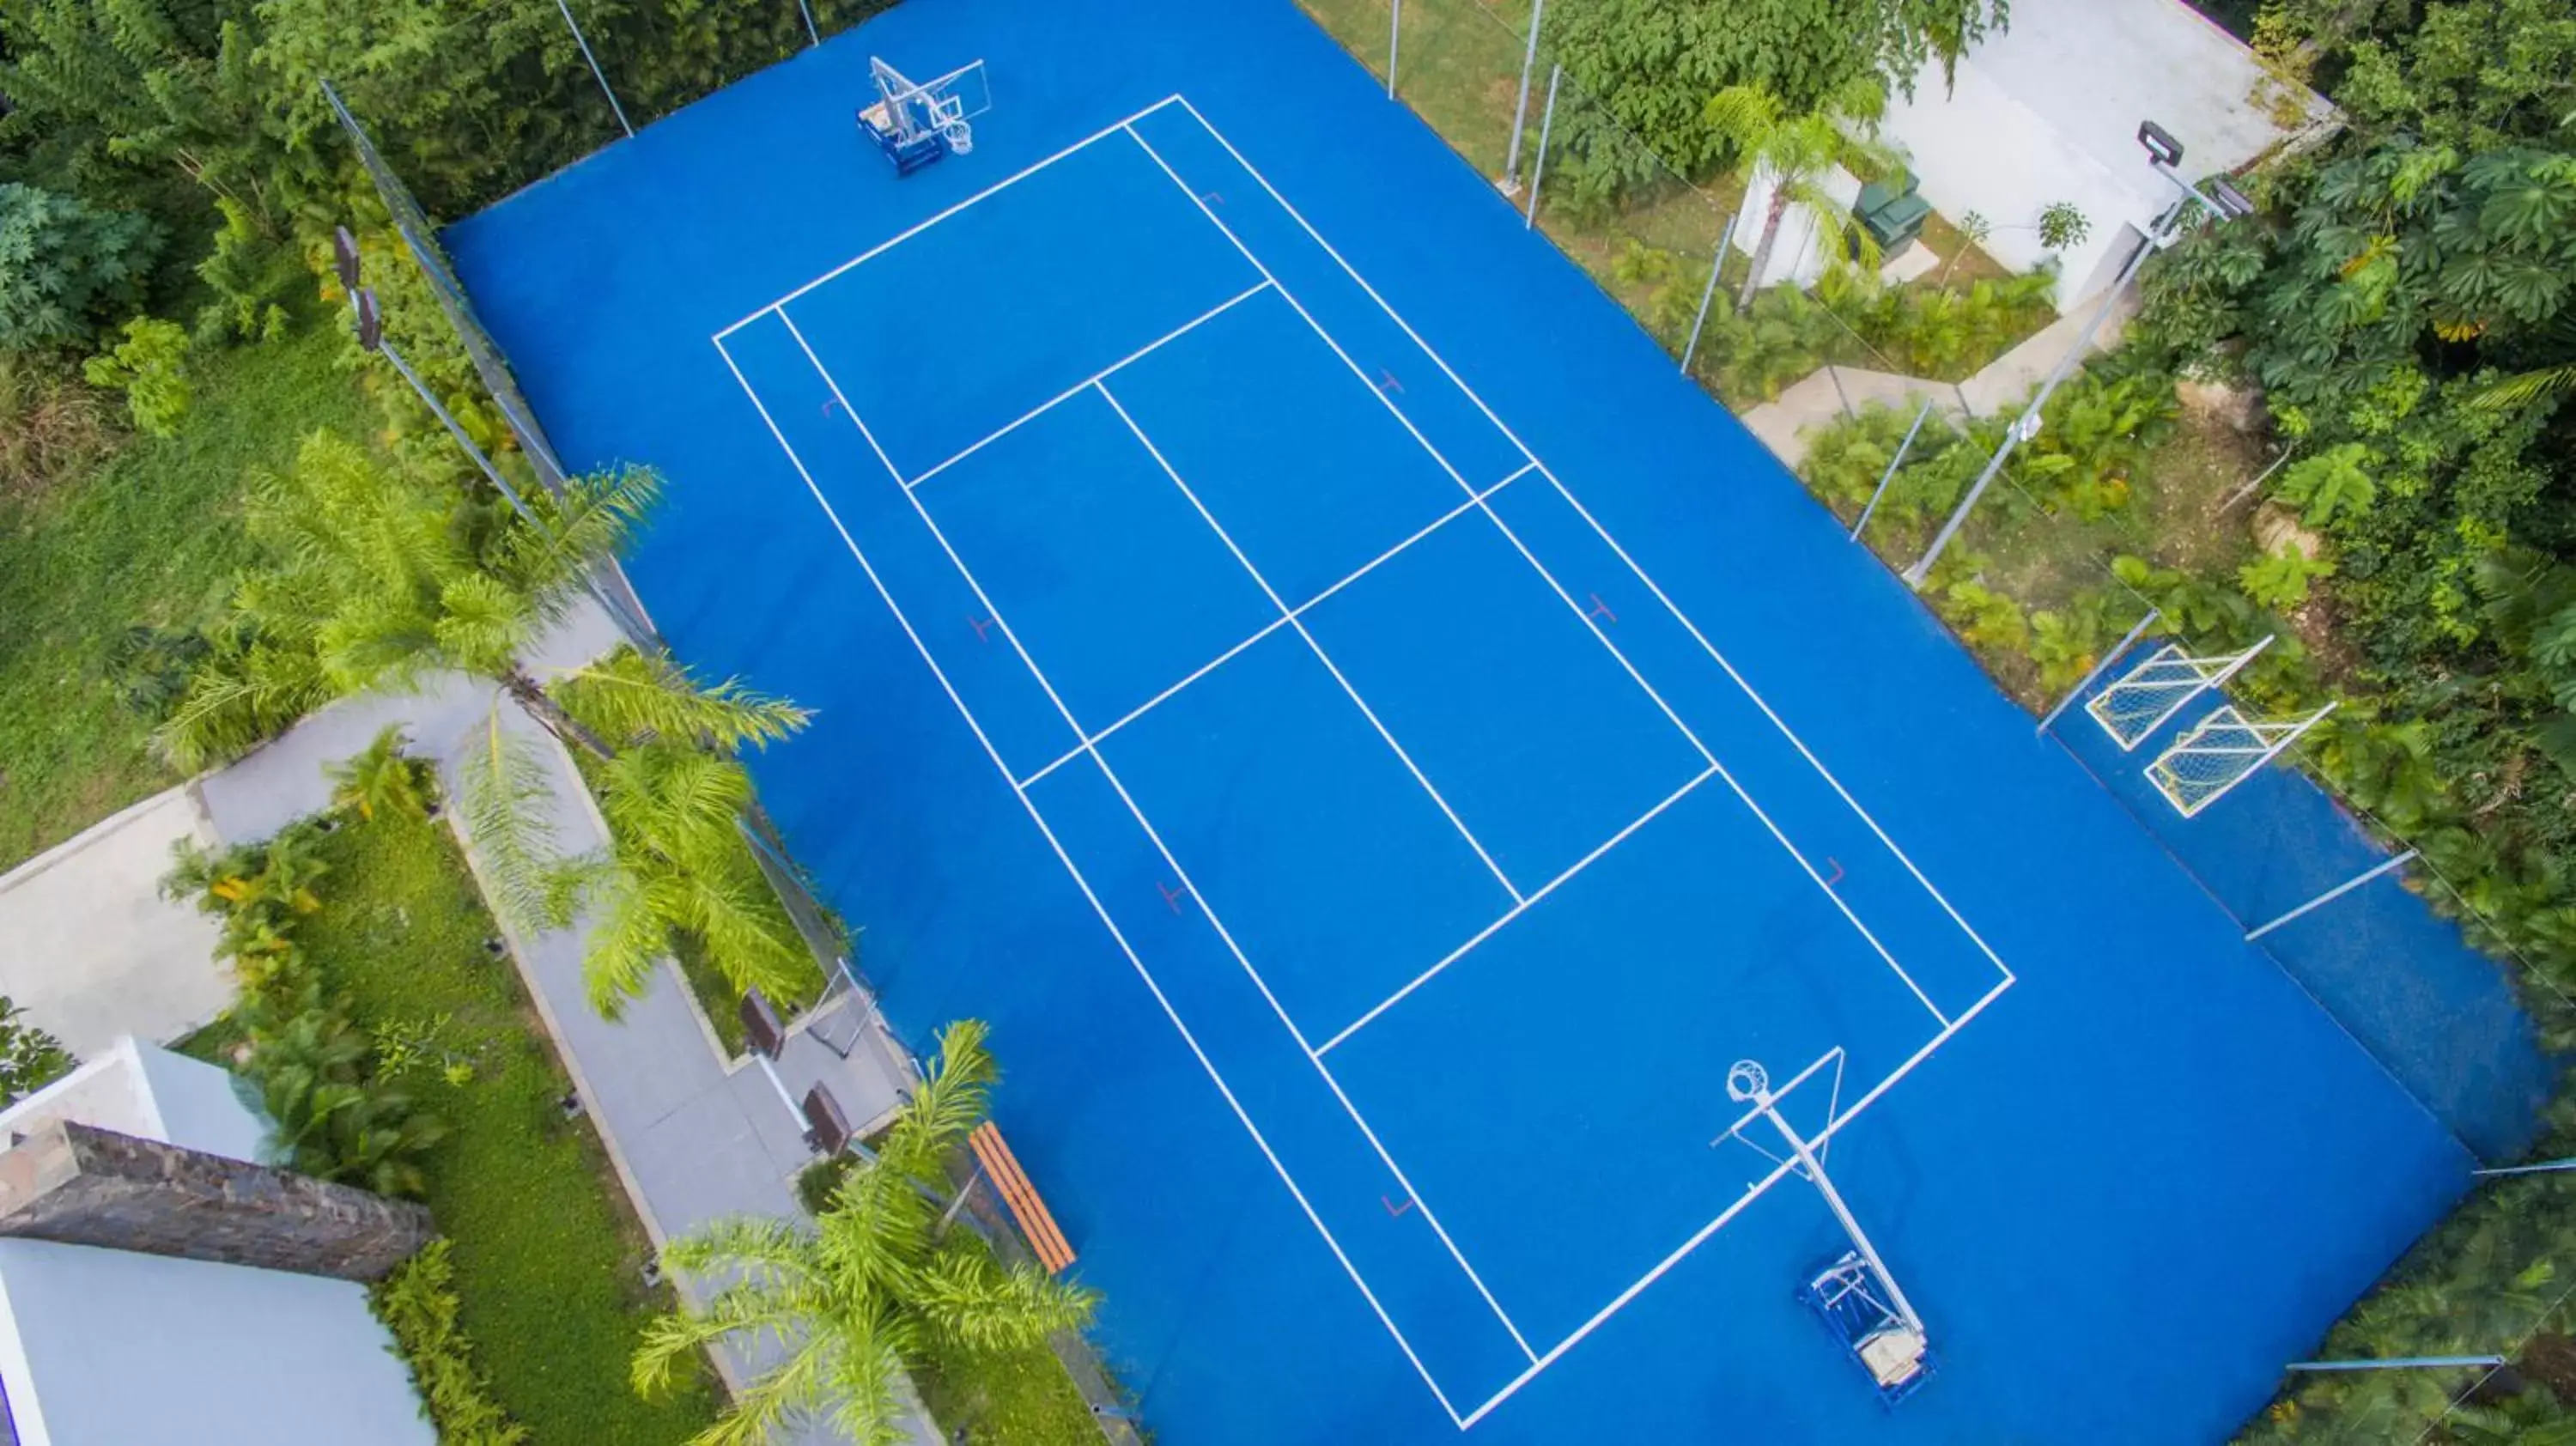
1797,151
383,581
2521,387
864,1291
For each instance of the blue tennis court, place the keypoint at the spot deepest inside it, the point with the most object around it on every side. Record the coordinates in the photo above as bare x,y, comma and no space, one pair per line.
1379,747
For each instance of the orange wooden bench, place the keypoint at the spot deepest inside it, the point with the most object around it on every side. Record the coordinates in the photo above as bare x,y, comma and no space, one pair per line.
1008,1178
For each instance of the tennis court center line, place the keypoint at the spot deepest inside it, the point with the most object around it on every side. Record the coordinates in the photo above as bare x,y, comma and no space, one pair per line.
1652,586
1141,709
1134,961
1752,1192
918,227
1289,615
1078,388
1581,614
1550,887
985,601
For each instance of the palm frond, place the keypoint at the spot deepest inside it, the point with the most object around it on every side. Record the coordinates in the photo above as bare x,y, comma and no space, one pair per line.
628,697
748,935
630,936
505,798
2523,388
952,1100
483,624
973,1298
236,700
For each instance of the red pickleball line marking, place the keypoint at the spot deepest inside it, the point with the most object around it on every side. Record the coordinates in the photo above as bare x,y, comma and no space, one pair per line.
1838,871
1172,896
1601,609
982,628
1394,1209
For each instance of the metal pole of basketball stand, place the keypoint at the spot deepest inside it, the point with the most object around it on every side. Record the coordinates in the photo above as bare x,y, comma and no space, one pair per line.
780,1085
1708,293
595,72
1520,108
2330,895
1394,37
1765,1104
2089,679
1893,463
2395,1363
811,34
1538,163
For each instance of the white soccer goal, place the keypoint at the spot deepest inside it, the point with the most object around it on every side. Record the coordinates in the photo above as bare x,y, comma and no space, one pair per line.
2220,752
2135,705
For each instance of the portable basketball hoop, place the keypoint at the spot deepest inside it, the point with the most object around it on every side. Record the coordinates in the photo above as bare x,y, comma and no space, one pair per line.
918,123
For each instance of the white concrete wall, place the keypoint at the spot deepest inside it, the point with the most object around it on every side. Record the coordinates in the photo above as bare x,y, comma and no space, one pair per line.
1804,246
146,1091
110,1348
2049,111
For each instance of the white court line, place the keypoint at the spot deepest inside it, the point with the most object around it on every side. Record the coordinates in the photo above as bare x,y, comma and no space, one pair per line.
985,601
1550,887
911,231
1642,576
1289,616
1429,1217
1152,986
1814,875
1300,610
1078,388
1752,1193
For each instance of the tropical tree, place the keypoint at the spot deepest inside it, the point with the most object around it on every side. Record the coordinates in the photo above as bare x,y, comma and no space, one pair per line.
869,1287
383,580
1796,149
30,1058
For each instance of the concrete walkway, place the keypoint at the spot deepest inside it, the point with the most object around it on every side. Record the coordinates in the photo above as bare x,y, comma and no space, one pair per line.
1831,393
694,1135
90,949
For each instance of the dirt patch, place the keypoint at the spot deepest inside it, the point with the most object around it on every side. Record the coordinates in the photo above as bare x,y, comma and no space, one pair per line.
2185,491
2550,1360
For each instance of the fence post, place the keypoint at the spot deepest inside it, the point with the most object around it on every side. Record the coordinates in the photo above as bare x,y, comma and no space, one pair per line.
1394,40
1893,463
2104,666
813,36
1708,293
595,72
1538,163
2330,895
1520,108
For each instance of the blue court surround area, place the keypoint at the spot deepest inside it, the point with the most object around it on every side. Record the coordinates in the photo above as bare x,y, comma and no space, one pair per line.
1377,745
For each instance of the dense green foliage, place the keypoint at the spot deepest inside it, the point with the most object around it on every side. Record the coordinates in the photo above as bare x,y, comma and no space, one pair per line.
30,1058
546,1262
65,268
1655,63
419,1305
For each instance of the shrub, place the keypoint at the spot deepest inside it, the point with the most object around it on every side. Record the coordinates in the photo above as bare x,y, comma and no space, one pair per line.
30,1058
151,367
253,276
382,779
65,268
418,1303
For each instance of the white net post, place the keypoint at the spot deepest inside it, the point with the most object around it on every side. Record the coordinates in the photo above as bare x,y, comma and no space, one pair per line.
2220,752
2132,708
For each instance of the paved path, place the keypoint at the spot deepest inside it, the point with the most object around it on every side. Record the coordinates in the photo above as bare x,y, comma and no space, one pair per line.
1830,393
90,949
694,1135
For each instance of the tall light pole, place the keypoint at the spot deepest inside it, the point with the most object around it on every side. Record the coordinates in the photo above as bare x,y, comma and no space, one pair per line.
2221,200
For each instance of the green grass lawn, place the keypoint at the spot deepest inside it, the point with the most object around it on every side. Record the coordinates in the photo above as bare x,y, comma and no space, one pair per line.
152,536
547,1255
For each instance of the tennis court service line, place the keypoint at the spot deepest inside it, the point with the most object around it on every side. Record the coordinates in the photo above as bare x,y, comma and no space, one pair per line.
917,228
1078,388
1652,586
1582,614
985,601
1289,615
1092,897
1300,610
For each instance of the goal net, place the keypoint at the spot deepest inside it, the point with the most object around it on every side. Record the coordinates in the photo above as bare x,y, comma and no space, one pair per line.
2220,752
2132,707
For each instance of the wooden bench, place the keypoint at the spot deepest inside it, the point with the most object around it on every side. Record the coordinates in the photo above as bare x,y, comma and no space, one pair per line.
1004,1170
